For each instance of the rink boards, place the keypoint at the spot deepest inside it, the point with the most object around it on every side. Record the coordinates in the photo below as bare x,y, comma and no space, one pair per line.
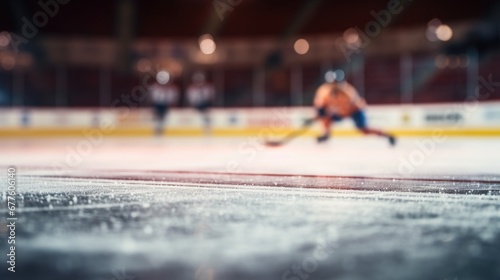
460,119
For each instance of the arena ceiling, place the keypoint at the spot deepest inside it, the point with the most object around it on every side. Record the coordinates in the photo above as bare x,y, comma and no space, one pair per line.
242,18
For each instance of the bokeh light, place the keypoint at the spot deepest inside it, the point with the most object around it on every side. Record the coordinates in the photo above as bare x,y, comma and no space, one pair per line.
444,32
351,36
4,39
207,44
330,76
339,75
432,25
8,62
163,77
301,46
441,61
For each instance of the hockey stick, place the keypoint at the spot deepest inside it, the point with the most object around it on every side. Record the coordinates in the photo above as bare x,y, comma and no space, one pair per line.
292,135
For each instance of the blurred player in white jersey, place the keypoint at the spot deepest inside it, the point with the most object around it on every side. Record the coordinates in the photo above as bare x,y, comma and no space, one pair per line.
200,95
164,94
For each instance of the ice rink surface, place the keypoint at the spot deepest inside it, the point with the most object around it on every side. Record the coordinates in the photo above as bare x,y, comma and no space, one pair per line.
212,208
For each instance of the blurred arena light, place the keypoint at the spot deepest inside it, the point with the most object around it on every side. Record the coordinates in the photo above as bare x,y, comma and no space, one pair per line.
339,75
441,61
444,32
207,44
143,65
436,30
334,75
4,39
8,62
301,46
351,37
430,33
163,77
452,62
330,76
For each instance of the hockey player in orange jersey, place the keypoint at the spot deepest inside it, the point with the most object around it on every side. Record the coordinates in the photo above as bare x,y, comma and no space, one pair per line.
335,100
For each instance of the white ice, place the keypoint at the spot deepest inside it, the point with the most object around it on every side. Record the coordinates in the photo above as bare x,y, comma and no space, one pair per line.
357,156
